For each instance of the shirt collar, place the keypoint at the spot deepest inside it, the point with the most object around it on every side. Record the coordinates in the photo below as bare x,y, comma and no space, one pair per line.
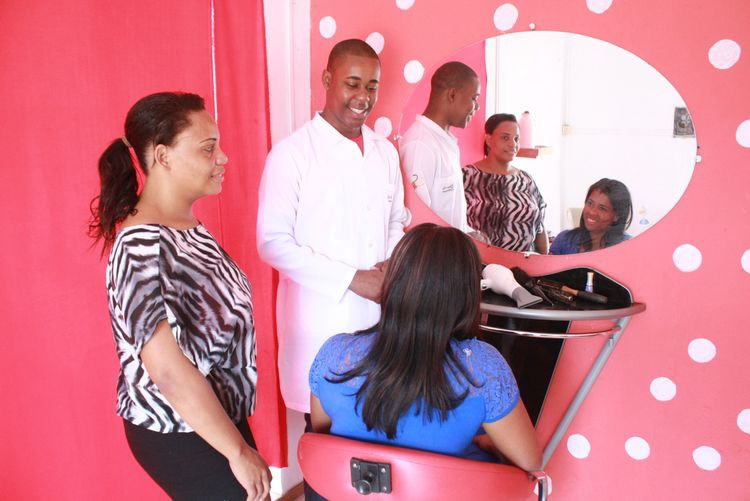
332,137
435,128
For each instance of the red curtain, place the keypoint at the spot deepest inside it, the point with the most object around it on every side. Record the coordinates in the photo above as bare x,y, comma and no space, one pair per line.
70,71
242,96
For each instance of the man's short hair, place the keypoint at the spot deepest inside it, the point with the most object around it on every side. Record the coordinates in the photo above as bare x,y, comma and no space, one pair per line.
453,74
353,47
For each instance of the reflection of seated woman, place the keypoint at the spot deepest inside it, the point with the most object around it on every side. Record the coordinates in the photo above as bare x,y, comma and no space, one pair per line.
606,215
503,201
418,378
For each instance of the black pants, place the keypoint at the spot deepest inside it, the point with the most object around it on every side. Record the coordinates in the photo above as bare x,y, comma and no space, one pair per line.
184,465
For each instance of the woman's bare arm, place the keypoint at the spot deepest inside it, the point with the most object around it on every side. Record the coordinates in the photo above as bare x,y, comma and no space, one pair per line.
188,391
321,422
515,439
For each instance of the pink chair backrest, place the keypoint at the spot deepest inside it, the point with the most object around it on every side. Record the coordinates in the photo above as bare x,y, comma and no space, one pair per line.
415,475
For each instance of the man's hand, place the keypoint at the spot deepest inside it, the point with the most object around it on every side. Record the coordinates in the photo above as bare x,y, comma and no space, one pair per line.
480,237
368,284
382,266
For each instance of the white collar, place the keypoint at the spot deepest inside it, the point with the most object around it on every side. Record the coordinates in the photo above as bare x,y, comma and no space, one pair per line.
430,124
333,136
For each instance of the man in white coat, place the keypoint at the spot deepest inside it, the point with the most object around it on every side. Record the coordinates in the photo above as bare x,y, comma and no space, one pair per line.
331,210
429,152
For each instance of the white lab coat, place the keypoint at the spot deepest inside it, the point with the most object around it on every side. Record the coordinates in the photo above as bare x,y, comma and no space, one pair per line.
325,211
432,164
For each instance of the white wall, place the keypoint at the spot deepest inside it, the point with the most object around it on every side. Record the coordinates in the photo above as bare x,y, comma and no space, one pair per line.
288,60
603,112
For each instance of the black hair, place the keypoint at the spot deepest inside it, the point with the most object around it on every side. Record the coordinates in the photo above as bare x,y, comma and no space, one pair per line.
453,74
491,124
153,120
352,46
622,205
431,294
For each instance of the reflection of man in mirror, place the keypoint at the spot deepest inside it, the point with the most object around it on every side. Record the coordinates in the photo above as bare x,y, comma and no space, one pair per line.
331,209
429,152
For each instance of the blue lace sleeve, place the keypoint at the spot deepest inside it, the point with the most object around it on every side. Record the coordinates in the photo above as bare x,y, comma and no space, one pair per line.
319,366
337,355
500,390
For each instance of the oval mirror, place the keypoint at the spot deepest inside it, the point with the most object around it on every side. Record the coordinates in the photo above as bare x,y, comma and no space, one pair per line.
597,111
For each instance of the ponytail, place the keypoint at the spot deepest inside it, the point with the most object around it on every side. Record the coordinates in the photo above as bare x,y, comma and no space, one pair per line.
118,193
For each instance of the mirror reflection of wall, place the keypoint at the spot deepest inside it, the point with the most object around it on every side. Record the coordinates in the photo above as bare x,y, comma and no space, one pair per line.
600,111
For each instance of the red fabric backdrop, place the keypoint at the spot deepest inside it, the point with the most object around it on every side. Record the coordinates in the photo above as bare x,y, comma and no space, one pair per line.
71,69
243,121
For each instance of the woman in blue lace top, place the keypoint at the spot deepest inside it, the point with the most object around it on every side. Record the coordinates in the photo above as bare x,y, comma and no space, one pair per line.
419,378
607,213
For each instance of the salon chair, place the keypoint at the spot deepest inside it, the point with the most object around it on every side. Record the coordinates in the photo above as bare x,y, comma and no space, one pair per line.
339,468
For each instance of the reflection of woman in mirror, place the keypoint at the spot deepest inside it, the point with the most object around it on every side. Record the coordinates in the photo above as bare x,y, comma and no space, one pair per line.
503,202
606,215
419,378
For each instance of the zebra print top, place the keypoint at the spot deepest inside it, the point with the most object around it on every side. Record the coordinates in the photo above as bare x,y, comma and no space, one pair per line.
507,208
156,273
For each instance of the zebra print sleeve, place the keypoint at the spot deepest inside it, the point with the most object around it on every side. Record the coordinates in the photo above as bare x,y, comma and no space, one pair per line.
540,203
136,302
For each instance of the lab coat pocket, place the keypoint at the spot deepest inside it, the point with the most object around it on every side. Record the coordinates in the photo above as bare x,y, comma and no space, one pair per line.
443,195
390,193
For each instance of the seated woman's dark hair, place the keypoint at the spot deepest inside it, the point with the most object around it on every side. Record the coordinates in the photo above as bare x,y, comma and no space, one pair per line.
153,120
431,294
622,205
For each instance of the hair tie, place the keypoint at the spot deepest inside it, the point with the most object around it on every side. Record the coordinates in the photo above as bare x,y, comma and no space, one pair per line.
139,174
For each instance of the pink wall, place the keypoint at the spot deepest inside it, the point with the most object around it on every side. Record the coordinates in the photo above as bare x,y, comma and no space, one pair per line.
711,405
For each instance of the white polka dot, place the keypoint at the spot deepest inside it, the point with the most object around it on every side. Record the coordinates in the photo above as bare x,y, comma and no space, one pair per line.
743,420
413,71
663,389
707,458
743,134
327,27
723,54
687,257
579,446
637,448
745,261
701,350
383,126
404,4
376,41
598,6
505,16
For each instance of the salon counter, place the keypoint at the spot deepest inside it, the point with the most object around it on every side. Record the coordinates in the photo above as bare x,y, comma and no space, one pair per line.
551,324
500,305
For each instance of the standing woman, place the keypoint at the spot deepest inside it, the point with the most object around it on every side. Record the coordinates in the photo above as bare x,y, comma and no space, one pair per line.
607,213
180,308
503,202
